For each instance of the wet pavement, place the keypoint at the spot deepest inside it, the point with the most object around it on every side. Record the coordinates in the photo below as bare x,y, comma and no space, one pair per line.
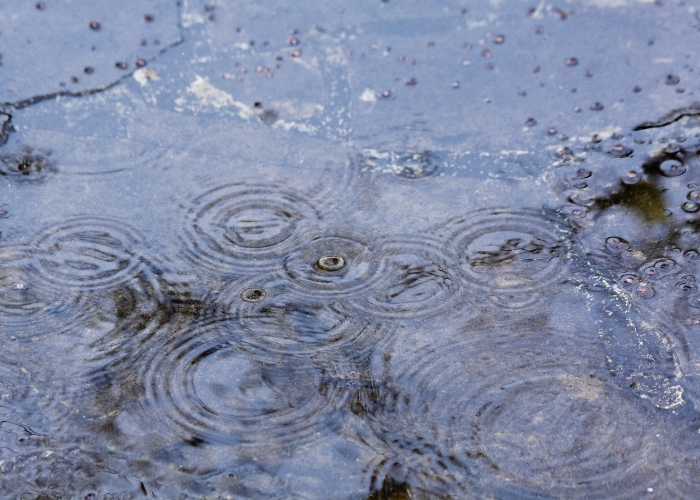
354,250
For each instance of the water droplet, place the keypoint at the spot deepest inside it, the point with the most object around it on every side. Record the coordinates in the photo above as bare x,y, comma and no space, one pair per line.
330,263
580,198
293,41
94,25
620,151
89,70
575,212
672,79
121,65
140,63
582,173
631,177
148,18
531,122
672,149
660,268
253,294
616,245
597,107
356,266
644,290
686,286
40,6
690,207
691,255
499,39
672,168
628,280
27,166
572,61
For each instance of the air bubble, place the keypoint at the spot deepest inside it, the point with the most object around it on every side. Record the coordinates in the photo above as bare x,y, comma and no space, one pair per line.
620,151
690,255
672,168
672,79
253,294
690,207
660,268
627,280
644,290
330,263
616,245
631,177
580,199
686,286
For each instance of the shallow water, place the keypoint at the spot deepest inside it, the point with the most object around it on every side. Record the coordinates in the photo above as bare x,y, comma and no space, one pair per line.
357,250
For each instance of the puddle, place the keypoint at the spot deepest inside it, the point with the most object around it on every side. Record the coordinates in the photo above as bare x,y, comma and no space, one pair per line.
354,251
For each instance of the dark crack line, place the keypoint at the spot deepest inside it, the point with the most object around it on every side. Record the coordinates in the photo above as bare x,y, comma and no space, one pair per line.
672,117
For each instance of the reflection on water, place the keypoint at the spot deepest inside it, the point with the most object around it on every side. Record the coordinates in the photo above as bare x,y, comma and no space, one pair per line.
307,336
315,254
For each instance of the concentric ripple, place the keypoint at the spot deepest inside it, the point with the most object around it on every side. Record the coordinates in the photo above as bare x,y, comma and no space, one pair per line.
29,309
420,278
279,319
205,386
88,252
27,166
519,424
245,225
408,165
332,265
562,431
509,254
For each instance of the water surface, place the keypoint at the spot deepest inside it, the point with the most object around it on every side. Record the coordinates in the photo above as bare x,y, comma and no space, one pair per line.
356,250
